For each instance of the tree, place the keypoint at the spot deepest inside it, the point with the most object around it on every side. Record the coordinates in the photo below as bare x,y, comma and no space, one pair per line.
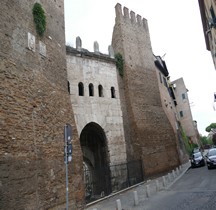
212,129
205,140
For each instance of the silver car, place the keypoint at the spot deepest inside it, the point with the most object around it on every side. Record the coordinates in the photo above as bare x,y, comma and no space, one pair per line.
211,158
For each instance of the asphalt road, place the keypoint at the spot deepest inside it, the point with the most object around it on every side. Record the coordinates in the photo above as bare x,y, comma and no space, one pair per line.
195,190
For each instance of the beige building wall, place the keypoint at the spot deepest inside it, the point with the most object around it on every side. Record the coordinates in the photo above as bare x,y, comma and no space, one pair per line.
104,111
184,111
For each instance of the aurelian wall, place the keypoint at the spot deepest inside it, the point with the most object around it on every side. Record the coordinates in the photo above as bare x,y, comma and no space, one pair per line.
34,107
166,100
149,134
105,111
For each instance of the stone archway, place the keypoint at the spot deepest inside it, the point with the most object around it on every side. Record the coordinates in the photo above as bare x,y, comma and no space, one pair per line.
96,164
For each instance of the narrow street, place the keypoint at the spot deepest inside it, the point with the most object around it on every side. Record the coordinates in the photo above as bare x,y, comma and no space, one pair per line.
195,190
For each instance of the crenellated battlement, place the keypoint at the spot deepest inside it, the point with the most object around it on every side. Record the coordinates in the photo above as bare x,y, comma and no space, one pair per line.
130,16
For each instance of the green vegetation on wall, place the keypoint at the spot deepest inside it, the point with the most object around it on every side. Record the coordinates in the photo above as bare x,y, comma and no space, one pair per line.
188,145
39,19
119,63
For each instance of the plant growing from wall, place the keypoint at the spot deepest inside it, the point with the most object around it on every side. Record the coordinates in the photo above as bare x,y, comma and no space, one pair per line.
39,19
187,144
119,63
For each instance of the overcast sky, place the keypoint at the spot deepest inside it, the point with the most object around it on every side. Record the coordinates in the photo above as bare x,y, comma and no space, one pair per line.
175,29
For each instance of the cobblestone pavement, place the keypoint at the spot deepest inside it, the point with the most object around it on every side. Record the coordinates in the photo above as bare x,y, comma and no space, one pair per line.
146,192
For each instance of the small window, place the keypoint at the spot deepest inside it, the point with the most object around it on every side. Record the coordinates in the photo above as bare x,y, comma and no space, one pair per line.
165,82
160,77
181,113
212,14
183,96
113,92
81,89
91,89
68,83
100,90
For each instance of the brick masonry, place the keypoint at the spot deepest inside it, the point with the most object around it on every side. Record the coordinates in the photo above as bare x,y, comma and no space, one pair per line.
148,132
34,107
171,112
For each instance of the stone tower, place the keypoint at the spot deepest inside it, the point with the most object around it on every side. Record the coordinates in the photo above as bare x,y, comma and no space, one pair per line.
34,107
148,132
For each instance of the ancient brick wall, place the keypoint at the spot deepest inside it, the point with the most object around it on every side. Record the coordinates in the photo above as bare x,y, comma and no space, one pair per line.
34,107
148,132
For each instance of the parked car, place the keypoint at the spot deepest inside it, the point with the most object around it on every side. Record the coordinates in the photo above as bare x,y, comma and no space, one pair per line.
195,150
211,158
197,159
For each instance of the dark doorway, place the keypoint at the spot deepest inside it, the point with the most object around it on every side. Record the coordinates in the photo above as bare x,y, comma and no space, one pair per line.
95,157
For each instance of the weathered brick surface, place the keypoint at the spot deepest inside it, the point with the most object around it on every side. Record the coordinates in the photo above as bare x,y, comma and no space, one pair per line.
34,107
171,112
148,132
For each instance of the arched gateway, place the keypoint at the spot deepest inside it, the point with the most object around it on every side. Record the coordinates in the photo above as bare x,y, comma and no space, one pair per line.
95,161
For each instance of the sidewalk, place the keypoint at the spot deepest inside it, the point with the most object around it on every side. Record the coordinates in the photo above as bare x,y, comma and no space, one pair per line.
135,197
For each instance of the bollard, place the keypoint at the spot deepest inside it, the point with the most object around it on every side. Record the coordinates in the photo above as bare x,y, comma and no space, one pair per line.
147,191
164,181
177,171
118,204
173,173
157,185
136,201
169,177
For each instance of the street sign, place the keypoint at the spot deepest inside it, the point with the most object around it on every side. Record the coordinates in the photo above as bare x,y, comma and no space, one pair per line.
67,153
68,143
